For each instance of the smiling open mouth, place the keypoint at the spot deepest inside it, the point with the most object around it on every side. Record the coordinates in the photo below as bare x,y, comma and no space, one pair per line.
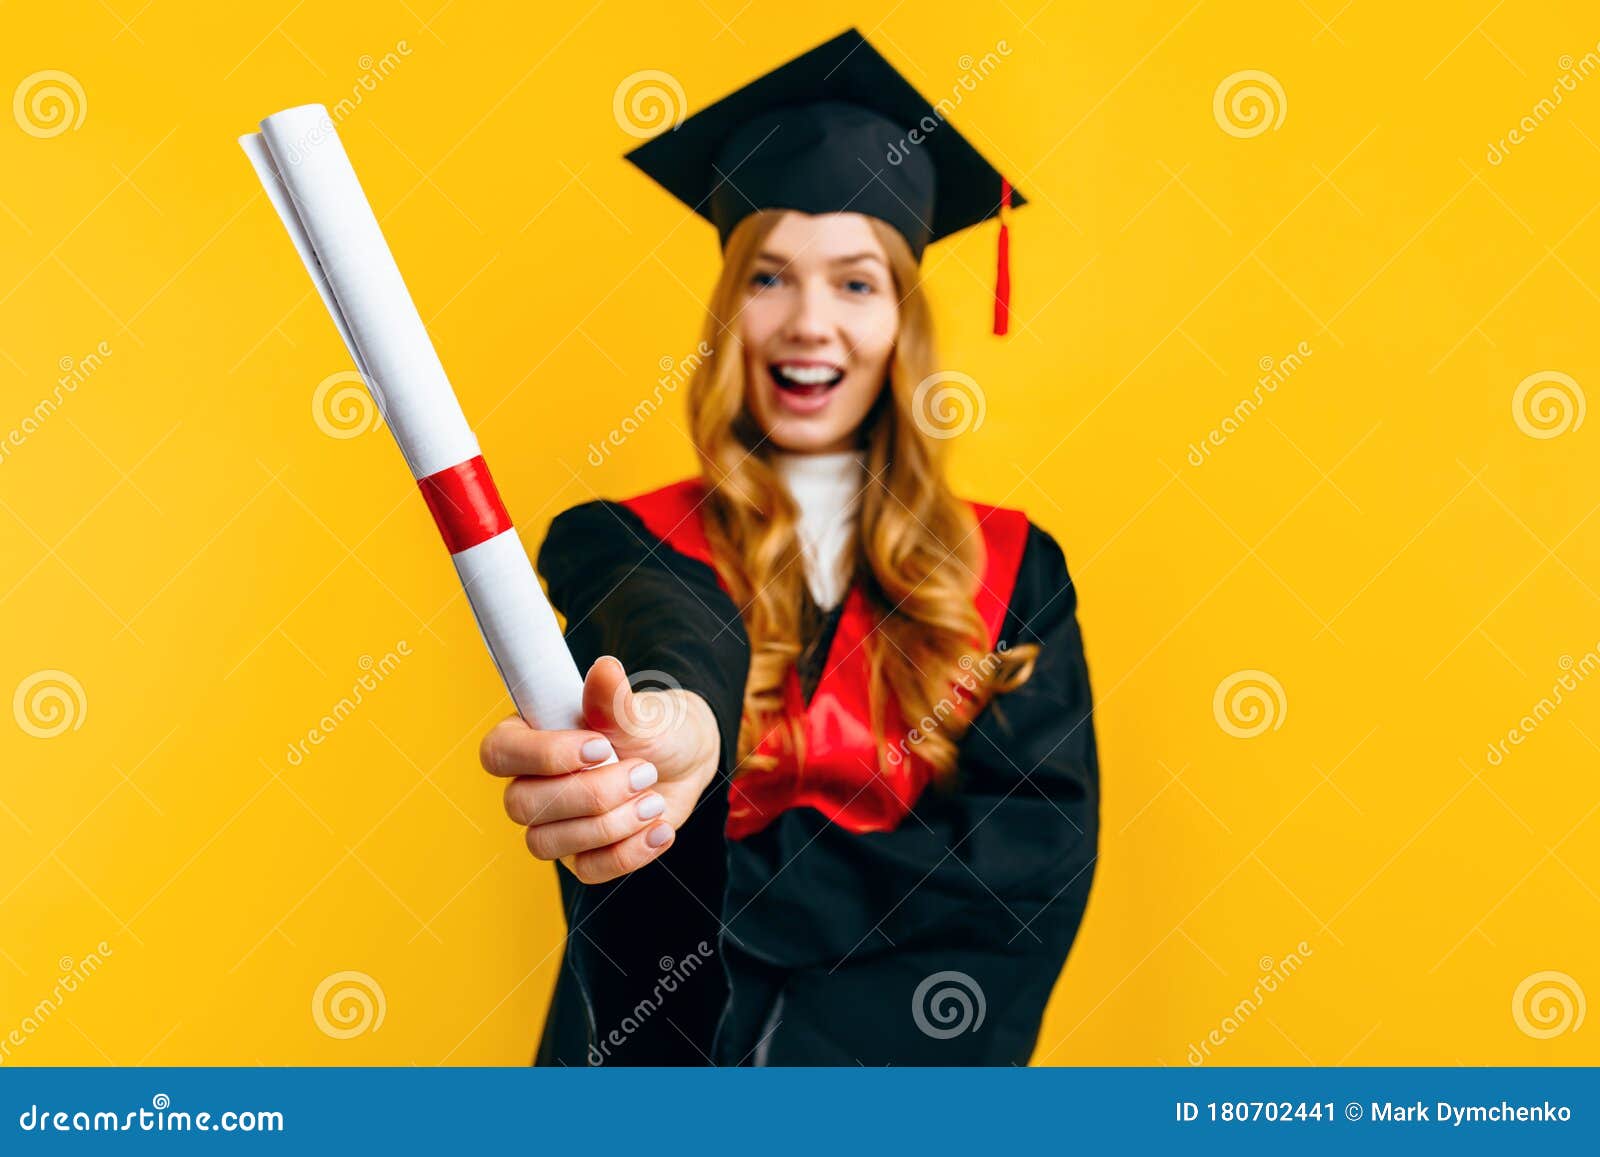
806,380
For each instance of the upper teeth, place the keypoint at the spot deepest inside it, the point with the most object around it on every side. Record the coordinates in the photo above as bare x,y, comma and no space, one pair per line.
808,375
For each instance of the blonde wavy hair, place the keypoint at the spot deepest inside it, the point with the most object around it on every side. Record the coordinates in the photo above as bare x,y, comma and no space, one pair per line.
918,550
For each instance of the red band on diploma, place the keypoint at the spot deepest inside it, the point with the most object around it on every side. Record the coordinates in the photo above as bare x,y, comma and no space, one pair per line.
465,504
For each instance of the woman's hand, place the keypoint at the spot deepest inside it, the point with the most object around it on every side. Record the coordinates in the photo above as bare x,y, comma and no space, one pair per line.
603,822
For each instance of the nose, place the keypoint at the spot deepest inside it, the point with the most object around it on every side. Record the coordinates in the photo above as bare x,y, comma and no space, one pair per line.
810,320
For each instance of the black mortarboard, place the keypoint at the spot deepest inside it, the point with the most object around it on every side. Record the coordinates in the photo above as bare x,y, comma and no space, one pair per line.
835,130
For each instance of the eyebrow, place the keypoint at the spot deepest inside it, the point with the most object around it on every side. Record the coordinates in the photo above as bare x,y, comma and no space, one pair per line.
847,259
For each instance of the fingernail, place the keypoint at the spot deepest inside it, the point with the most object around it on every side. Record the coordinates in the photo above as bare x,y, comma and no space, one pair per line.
596,751
642,776
659,835
651,806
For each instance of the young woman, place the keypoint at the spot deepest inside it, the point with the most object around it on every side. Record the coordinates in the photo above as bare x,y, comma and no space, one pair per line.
853,815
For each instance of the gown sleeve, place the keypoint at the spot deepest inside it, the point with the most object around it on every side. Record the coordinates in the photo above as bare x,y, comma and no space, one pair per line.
1005,858
627,594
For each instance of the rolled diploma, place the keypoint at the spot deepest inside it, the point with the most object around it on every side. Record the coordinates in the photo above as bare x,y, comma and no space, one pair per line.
308,178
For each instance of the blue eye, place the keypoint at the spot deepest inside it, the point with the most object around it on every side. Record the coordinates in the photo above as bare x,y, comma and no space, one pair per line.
856,285
764,280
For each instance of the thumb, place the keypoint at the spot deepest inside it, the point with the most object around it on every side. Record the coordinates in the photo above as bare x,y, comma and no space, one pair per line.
607,698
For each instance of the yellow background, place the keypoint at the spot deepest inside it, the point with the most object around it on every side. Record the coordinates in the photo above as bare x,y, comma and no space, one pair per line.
1381,536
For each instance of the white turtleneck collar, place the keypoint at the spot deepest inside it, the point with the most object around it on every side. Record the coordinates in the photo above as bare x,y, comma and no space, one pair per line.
827,489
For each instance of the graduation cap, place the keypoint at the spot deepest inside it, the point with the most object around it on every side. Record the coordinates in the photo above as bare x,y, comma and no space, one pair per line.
835,130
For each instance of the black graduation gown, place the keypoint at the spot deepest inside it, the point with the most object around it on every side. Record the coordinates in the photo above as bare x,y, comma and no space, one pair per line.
805,943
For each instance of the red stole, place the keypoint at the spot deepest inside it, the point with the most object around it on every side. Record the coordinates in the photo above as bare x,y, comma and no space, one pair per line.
858,783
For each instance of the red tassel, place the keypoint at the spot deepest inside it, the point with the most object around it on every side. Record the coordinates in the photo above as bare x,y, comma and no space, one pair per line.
1002,276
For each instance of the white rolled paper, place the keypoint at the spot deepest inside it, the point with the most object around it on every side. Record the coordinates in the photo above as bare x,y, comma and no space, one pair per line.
308,178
